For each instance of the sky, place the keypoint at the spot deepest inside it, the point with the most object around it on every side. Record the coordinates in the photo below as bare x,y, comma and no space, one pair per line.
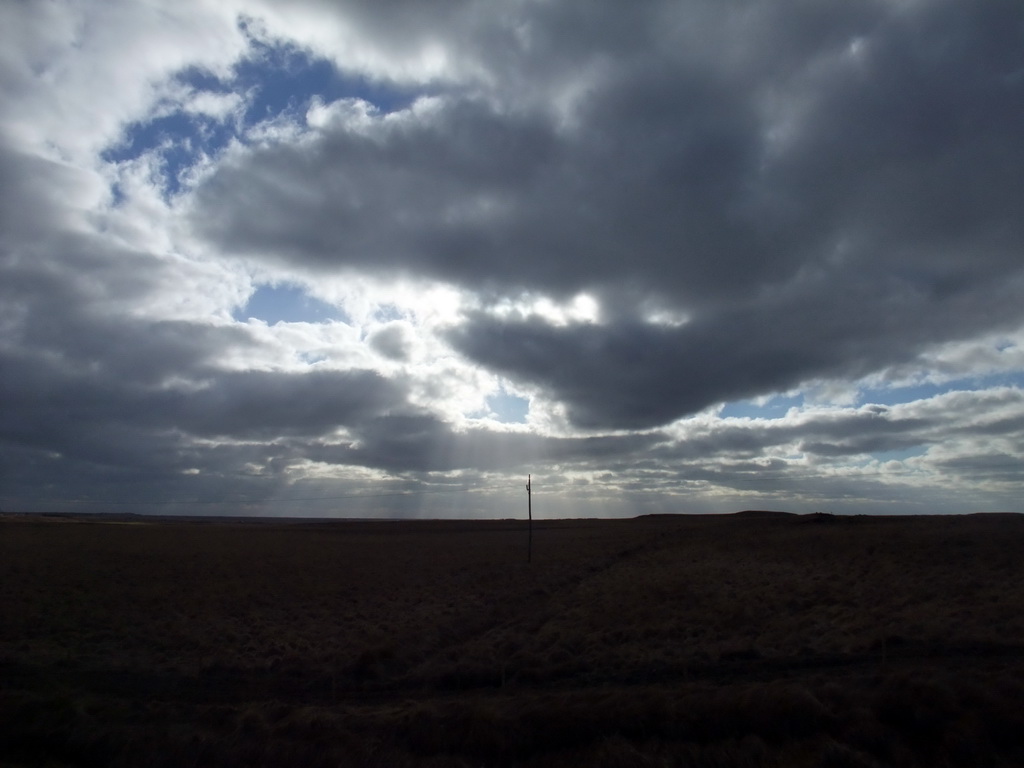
372,259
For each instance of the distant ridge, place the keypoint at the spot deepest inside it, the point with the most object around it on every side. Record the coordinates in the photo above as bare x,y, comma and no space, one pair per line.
747,513
763,513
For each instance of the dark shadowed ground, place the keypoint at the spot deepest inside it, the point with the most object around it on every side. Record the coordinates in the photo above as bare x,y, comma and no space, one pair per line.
756,639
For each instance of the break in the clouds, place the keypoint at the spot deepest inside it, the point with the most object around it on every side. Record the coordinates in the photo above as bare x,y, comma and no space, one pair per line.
354,258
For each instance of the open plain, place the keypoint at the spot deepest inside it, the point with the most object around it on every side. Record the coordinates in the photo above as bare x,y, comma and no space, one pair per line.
757,639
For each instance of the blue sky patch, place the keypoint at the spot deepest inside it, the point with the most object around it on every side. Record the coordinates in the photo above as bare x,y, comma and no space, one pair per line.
284,79
180,139
287,304
898,395
509,409
777,406
273,80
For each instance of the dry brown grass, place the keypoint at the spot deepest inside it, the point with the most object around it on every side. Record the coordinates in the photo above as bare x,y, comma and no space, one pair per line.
689,641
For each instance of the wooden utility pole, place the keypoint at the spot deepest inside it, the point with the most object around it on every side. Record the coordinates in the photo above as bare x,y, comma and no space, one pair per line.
529,512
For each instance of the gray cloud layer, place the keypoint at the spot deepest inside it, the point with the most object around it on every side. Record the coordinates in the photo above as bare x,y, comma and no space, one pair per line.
820,196
759,196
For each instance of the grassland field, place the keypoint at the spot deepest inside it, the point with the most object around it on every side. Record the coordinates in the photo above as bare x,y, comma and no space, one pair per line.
757,639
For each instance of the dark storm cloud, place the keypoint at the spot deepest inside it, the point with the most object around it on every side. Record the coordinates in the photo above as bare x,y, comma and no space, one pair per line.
679,169
76,411
629,374
268,404
410,179
824,191
102,431
83,434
